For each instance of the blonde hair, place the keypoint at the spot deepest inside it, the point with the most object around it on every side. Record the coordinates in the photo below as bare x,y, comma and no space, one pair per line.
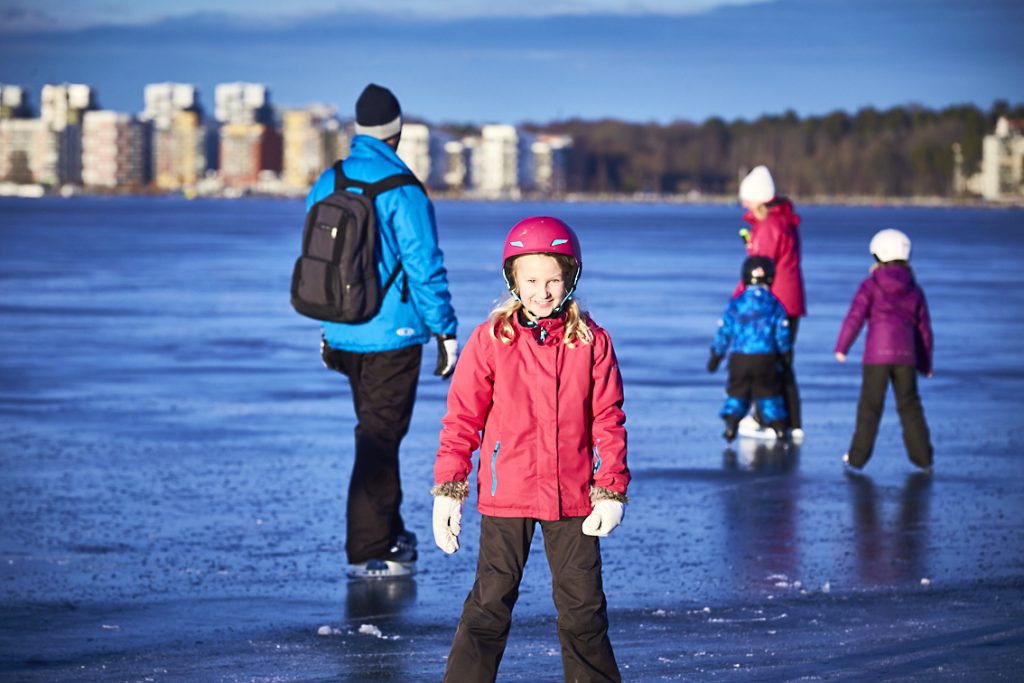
576,329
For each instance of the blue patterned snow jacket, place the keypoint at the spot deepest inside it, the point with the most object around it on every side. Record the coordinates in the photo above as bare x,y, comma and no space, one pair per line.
407,232
753,322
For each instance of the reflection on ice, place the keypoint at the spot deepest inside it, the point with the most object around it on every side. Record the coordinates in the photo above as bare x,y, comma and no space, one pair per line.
761,456
893,551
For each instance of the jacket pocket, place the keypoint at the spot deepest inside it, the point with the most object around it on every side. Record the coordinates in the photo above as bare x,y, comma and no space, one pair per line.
494,468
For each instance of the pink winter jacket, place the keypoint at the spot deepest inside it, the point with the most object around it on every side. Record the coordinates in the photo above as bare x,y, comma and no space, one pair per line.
777,238
551,421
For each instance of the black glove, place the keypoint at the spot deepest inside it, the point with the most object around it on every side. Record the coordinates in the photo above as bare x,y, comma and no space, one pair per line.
714,361
447,354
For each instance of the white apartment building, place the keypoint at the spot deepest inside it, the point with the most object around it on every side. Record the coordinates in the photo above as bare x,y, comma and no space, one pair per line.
551,163
13,102
459,163
505,161
242,103
61,108
164,100
63,105
495,161
113,150
423,151
1002,162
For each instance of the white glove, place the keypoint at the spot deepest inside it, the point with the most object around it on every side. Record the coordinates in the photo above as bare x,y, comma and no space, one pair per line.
447,523
606,516
447,354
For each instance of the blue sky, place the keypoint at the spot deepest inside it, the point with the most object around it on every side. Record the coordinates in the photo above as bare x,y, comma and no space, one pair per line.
465,60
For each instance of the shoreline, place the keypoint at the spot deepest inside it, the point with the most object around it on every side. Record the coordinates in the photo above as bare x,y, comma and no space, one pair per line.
68,192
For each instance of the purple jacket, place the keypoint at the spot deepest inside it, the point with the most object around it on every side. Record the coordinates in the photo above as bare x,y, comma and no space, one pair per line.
899,327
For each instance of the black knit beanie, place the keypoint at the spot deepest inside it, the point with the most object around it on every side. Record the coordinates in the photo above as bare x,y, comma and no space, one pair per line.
378,113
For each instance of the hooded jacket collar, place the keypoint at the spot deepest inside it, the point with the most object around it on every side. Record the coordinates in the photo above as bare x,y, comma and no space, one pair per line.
544,331
895,278
368,146
779,209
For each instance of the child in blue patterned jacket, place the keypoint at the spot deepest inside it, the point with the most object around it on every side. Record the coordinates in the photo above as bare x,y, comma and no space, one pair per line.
756,326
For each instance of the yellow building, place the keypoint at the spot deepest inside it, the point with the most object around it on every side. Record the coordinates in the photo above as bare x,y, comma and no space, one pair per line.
313,140
179,152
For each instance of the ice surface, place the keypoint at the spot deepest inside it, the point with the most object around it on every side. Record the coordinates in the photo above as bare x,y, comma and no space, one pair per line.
175,459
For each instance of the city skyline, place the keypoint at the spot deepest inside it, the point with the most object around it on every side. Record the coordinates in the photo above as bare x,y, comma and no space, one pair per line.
673,61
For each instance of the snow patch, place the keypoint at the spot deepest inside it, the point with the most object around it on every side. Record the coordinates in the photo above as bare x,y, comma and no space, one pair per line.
371,630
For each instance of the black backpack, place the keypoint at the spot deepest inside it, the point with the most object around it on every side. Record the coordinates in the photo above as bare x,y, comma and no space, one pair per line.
335,279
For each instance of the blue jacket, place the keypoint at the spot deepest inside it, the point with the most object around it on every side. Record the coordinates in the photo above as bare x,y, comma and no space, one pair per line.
753,322
408,233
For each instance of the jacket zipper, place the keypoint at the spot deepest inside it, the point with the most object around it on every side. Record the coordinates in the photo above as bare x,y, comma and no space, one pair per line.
494,467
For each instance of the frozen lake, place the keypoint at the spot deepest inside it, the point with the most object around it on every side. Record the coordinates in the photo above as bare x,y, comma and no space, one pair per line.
175,459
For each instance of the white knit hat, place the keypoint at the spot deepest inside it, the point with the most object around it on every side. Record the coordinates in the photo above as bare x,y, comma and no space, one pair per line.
758,186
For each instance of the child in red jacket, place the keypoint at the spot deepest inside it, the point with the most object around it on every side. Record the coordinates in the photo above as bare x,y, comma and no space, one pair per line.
538,391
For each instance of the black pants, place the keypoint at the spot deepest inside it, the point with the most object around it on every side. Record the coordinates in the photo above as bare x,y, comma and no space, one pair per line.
790,392
575,561
383,391
755,377
908,403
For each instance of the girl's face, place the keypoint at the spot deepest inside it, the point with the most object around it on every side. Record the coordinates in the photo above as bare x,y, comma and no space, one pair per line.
541,283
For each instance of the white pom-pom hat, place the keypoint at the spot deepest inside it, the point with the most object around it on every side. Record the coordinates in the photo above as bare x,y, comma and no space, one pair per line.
758,187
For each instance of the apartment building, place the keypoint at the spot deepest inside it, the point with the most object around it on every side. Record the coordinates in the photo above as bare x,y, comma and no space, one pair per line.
313,139
247,152
113,150
423,151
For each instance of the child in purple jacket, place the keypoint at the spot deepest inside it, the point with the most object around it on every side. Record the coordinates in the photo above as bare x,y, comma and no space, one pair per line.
899,345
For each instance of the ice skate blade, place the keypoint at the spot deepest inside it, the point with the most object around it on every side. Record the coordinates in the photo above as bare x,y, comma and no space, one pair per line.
380,569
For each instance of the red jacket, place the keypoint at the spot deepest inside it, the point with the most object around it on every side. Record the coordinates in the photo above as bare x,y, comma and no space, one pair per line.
551,418
777,238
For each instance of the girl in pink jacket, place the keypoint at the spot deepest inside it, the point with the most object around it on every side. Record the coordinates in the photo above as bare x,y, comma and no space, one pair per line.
537,390
773,233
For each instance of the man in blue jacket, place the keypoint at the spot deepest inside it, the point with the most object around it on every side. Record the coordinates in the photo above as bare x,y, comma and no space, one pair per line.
381,357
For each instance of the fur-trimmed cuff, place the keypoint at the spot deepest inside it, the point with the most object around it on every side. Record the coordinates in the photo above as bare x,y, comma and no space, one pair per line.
459,490
597,493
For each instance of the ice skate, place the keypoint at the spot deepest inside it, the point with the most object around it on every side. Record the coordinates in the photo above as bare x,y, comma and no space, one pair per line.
399,561
850,467
750,428
730,430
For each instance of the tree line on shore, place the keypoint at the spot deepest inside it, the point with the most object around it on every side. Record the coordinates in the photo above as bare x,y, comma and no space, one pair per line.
897,152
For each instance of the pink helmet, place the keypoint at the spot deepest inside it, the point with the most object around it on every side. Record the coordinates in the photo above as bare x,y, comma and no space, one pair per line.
542,235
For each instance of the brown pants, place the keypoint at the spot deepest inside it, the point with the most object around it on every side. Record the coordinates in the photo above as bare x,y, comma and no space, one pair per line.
575,561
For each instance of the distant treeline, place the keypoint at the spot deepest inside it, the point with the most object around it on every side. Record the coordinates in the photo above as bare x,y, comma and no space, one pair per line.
904,151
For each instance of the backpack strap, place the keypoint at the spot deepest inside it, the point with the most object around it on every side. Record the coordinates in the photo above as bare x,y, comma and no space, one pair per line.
390,183
372,190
